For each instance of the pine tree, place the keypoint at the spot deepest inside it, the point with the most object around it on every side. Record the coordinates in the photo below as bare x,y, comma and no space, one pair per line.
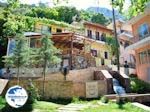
20,56
47,55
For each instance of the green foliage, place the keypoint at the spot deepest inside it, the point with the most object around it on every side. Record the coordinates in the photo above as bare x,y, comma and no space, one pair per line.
85,15
2,102
99,18
135,7
48,52
11,28
47,55
75,100
32,91
104,99
111,41
61,13
139,86
20,56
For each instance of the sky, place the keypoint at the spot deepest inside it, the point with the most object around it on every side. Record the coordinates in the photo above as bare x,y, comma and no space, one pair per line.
79,4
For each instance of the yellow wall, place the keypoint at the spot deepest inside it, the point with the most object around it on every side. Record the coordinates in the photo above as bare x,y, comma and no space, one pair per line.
101,47
38,26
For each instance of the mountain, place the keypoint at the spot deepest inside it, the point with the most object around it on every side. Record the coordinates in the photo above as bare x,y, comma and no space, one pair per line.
106,12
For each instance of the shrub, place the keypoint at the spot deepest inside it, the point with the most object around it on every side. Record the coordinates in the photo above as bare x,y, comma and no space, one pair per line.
139,86
2,102
104,99
32,93
75,100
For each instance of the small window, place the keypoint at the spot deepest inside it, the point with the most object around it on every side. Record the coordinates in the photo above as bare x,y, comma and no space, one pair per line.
97,35
58,30
32,42
143,57
143,31
45,29
94,52
103,37
106,55
89,33
102,61
149,55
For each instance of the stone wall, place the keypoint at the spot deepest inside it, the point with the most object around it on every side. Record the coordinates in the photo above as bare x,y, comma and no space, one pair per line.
53,89
62,89
75,85
82,75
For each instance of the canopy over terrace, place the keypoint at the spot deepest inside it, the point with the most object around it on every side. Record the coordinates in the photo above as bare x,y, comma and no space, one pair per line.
72,47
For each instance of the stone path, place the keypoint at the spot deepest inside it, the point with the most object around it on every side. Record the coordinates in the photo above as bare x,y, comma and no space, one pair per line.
73,108
141,106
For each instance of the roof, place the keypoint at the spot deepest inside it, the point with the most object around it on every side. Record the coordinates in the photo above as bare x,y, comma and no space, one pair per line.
28,34
97,25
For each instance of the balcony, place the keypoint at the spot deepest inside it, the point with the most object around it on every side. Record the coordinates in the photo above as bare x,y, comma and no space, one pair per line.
100,38
137,38
139,43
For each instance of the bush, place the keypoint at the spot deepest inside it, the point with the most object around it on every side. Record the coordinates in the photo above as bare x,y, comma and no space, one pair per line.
2,102
139,86
32,93
104,99
75,100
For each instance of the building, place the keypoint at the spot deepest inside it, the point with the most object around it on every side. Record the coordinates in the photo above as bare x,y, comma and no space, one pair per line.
99,48
48,28
141,44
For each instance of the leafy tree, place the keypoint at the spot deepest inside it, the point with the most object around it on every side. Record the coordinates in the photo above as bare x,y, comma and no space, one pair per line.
111,41
99,18
66,14
6,24
47,55
20,56
135,7
86,15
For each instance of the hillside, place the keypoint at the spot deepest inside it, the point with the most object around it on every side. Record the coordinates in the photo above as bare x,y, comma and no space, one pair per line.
106,12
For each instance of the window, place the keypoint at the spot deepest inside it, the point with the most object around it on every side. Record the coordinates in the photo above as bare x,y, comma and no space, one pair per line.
143,57
148,54
97,35
106,55
46,29
126,44
143,31
102,61
32,42
94,52
103,37
58,30
89,33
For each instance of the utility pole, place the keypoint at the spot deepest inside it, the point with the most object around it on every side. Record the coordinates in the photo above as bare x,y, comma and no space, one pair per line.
115,33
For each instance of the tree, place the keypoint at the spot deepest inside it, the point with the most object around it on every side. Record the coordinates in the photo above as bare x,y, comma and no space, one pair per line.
99,18
66,14
135,7
6,24
47,55
20,56
111,41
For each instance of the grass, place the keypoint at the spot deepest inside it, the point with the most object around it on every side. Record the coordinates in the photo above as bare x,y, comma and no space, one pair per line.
38,106
113,107
43,106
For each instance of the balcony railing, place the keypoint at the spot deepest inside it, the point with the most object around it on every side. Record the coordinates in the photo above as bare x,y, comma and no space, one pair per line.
137,38
100,38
